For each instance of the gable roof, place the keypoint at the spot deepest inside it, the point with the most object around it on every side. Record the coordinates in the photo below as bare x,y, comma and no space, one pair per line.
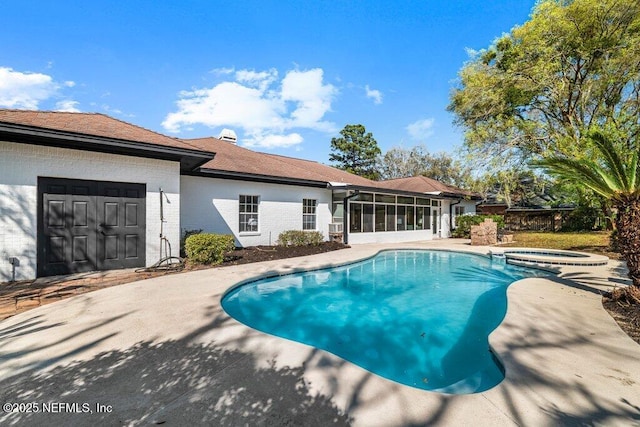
234,161
423,184
95,132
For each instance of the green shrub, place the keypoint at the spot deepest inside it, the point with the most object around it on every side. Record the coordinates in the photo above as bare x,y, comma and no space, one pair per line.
185,234
206,248
299,238
464,223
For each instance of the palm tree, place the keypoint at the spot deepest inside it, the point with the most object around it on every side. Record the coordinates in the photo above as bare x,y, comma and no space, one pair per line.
613,173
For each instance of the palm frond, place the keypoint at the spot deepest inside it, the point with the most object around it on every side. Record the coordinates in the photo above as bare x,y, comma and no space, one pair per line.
613,162
587,172
614,173
634,177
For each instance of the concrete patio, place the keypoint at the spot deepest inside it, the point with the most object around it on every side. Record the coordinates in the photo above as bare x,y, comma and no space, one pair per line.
163,351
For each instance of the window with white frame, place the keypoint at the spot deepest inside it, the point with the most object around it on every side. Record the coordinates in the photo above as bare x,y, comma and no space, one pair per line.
309,214
249,213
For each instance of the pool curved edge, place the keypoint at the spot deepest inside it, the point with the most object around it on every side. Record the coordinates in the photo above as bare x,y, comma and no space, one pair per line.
295,270
496,344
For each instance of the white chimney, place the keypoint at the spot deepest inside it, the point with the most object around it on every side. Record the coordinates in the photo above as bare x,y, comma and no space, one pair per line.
228,135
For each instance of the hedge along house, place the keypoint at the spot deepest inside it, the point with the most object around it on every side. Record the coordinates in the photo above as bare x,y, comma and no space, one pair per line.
81,192
256,196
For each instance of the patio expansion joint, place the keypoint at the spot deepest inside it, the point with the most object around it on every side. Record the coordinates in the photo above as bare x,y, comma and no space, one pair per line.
500,410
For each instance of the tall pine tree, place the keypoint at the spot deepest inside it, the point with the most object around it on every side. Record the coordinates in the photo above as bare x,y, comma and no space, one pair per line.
356,151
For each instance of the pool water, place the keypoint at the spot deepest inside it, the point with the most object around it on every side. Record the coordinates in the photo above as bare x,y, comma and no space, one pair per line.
420,318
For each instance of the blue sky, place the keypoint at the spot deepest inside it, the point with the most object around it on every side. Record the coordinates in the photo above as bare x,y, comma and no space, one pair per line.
285,76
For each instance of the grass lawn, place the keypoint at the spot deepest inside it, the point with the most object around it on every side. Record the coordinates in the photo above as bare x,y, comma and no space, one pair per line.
593,242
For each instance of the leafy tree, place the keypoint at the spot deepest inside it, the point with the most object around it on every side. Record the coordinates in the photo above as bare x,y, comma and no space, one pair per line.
356,151
614,174
536,90
401,162
444,168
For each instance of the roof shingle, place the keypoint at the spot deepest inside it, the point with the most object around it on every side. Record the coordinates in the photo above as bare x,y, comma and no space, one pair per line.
423,184
232,158
94,124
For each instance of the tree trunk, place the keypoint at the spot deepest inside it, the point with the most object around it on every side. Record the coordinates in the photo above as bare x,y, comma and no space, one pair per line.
628,225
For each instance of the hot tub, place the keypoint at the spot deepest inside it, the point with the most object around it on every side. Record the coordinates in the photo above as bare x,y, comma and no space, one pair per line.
548,257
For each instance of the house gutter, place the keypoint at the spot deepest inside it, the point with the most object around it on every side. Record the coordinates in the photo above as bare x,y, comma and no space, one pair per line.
243,176
345,211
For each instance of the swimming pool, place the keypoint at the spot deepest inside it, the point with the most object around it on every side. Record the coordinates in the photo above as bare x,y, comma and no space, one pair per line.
418,317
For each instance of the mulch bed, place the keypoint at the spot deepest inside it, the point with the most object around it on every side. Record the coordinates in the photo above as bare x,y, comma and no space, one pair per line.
269,253
623,304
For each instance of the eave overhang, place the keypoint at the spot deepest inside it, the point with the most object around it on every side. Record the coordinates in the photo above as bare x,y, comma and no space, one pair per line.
251,177
431,195
189,159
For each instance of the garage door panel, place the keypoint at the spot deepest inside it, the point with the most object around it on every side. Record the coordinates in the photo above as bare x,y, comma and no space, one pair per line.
110,218
110,247
133,193
110,191
57,247
56,214
131,246
80,213
131,218
56,189
80,248
81,190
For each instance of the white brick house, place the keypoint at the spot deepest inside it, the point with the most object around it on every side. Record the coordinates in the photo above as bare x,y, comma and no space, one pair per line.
82,192
76,155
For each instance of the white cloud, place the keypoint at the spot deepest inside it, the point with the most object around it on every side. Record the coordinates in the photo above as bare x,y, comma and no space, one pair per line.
374,94
111,110
273,141
116,111
261,80
313,99
421,129
255,103
25,90
227,104
68,106
222,71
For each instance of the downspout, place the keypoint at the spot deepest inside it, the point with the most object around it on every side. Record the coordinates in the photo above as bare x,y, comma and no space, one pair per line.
451,215
345,225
